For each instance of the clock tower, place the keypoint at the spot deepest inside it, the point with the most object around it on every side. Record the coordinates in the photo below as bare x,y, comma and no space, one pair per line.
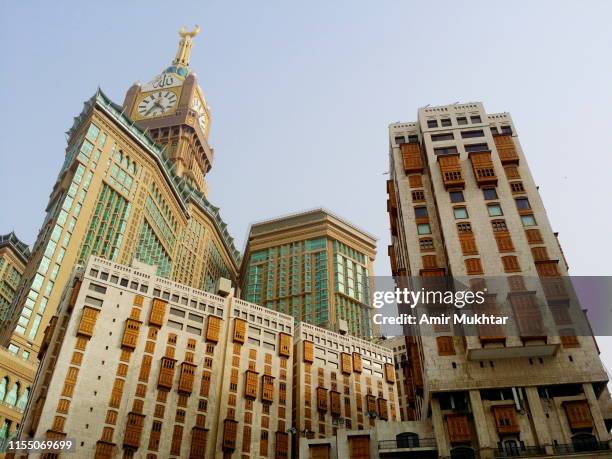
173,110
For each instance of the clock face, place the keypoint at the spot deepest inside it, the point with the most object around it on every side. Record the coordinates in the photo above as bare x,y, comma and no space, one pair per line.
157,103
197,105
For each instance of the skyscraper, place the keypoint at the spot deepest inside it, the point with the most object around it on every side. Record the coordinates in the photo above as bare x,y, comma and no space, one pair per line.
131,188
314,266
463,203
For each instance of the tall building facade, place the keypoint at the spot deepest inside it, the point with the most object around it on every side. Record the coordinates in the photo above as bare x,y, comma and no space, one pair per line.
135,365
14,256
463,203
314,266
131,188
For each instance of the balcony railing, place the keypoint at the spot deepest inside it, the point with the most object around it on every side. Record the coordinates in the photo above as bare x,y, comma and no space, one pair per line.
582,447
526,451
407,443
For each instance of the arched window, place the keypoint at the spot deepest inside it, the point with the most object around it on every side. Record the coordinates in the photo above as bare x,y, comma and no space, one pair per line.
23,400
407,440
3,385
585,442
11,397
462,452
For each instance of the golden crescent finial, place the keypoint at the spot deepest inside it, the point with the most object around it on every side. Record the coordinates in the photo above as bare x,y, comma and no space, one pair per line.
184,49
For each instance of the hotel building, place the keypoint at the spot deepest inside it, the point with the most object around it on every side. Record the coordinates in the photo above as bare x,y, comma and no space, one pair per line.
132,187
462,202
313,266
14,256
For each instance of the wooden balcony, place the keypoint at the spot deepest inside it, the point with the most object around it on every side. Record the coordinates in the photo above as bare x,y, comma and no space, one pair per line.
230,429
383,412
166,373
504,241
458,428
393,260
578,414
334,401
505,419
284,345
412,157
130,334
357,364
346,363
450,168
267,388
158,312
187,376
133,430
321,399
547,268
483,169
506,149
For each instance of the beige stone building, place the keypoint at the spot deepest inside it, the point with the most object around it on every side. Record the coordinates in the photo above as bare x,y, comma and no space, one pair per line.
314,266
135,365
340,381
463,203
14,256
16,372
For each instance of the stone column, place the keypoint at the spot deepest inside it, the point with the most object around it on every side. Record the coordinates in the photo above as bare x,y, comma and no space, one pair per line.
598,420
481,424
439,430
538,418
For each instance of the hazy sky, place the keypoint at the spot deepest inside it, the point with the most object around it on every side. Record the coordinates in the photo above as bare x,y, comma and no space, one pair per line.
302,94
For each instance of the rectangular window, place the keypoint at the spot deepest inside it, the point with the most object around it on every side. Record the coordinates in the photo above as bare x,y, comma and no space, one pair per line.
511,264
472,134
494,210
420,212
461,120
446,122
464,227
456,196
418,196
432,123
426,244
506,130
477,147
460,212
475,119
446,151
528,220
517,187
424,228
489,193
441,137
473,266
400,139
522,204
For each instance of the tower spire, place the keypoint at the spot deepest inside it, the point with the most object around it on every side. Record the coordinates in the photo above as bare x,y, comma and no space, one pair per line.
184,49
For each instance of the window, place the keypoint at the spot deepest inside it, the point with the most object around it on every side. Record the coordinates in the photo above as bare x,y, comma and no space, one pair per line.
446,122
445,151
494,210
489,193
522,204
499,225
464,227
511,264
441,137
475,119
506,130
473,266
517,187
528,220
477,147
460,212
426,244
456,196
432,123
418,195
461,120
472,134
424,228
420,212
400,140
